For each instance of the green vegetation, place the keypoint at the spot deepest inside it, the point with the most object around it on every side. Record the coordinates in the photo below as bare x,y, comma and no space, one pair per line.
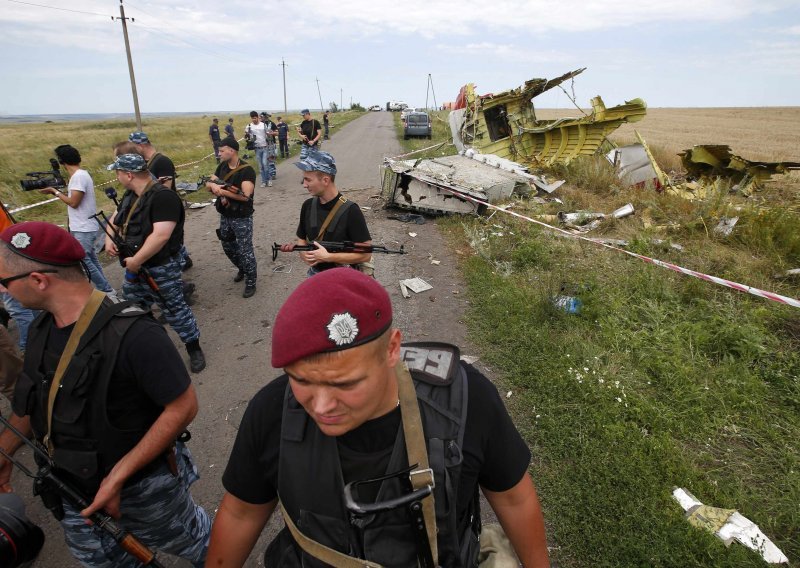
660,381
28,147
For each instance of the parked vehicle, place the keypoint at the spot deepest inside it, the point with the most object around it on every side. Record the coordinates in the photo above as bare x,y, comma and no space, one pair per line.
396,105
417,124
375,108
406,111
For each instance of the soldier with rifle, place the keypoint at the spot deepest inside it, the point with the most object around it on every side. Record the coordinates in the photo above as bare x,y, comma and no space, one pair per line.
374,449
149,220
328,215
107,399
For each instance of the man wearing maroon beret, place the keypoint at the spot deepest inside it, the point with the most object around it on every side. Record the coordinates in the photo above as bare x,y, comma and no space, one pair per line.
347,410
121,397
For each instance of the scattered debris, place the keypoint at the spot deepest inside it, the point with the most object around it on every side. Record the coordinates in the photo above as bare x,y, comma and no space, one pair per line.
469,359
728,525
186,186
427,185
584,221
200,205
707,162
416,285
404,289
636,165
412,234
569,304
282,269
508,394
725,226
788,273
505,124
433,260
408,218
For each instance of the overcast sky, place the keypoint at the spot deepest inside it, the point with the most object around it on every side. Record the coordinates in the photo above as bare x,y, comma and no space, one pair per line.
201,55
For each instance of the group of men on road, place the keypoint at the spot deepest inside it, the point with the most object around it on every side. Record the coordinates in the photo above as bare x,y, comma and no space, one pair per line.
345,429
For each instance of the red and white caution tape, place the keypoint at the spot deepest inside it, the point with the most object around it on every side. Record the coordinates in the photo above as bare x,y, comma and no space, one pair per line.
679,269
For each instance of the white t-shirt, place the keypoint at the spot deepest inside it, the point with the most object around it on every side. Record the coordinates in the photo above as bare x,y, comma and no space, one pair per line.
260,132
79,217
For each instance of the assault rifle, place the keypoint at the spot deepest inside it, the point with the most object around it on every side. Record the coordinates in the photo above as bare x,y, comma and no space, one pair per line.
125,251
344,246
205,179
52,489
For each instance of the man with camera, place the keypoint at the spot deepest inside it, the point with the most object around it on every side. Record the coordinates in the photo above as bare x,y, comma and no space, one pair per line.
81,205
257,136
150,220
120,401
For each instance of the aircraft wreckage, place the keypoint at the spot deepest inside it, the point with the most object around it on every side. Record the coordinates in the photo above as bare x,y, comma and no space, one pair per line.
493,133
505,124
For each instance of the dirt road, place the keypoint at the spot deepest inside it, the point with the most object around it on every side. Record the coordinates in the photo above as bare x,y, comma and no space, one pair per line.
236,332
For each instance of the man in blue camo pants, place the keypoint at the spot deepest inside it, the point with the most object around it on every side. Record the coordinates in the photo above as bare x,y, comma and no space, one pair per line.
121,406
150,221
235,206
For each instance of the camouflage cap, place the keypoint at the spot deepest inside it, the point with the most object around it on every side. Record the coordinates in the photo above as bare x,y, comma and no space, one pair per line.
129,163
317,161
139,137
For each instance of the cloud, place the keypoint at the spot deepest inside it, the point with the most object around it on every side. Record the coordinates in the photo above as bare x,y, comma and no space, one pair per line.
507,52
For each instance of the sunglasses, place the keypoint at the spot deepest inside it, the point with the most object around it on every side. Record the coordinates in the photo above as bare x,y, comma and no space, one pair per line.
5,281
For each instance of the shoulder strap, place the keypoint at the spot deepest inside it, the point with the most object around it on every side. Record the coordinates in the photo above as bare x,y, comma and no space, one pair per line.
153,159
86,317
234,170
331,214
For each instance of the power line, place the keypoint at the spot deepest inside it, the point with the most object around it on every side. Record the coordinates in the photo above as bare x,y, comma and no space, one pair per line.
61,9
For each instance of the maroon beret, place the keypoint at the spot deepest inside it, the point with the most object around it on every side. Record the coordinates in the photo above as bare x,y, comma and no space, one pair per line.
43,242
334,310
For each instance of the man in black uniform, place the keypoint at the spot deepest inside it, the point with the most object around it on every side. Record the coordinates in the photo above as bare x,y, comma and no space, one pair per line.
347,410
235,206
310,132
150,220
328,216
163,170
120,396
283,137
213,134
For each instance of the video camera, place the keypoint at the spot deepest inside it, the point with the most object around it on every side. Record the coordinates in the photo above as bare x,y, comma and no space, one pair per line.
50,178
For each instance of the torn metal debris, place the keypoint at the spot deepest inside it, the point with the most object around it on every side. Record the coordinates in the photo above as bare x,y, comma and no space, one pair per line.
636,165
728,525
427,185
506,125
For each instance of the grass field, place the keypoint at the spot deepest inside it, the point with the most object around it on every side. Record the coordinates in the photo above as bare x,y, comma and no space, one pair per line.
28,147
660,380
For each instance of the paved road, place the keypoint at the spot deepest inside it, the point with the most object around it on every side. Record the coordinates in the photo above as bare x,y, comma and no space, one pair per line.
236,332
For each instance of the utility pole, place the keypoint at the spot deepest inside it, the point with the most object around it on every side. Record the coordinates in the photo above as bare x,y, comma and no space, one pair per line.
430,90
130,65
341,103
321,108
283,64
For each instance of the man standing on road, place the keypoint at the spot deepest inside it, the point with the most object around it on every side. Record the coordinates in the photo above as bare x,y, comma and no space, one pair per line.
162,168
121,398
326,123
235,206
283,137
150,220
309,132
347,410
229,129
272,152
329,216
213,134
257,131
81,206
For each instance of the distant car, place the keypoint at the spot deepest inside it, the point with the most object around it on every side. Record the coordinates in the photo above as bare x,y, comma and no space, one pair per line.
417,124
375,108
406,111
396,105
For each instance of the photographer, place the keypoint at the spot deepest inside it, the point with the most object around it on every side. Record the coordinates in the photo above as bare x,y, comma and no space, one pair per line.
80,208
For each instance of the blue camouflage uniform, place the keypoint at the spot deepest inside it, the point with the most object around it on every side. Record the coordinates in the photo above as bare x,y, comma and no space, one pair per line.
157,510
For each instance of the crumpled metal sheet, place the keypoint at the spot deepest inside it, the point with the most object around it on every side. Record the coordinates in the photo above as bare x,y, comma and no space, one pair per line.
709,161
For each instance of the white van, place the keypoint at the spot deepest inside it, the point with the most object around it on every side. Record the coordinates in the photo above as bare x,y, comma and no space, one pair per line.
396,105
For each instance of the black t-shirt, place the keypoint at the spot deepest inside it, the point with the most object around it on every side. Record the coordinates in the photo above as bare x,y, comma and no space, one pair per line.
148,375
167,206
310,128
236,208
495,455
352,226
161,166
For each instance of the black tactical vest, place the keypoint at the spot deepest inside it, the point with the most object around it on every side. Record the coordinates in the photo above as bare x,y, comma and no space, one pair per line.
140,225
87,445
311,487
